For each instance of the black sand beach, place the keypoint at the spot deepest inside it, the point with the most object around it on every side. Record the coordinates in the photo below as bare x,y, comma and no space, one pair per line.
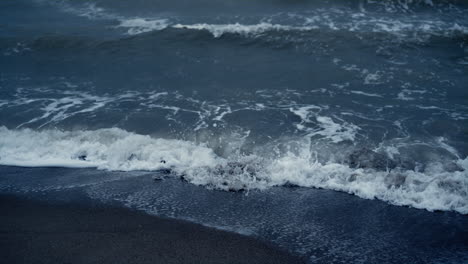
34,232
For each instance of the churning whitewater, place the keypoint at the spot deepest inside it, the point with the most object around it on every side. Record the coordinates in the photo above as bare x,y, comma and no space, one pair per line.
363,97
435,188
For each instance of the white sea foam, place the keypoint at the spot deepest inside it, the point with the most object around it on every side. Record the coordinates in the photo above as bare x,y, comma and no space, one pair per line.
435,189
112,149
334,131
140,25
408,95
219,29
59,109
328,128
365,94
372,78
115,149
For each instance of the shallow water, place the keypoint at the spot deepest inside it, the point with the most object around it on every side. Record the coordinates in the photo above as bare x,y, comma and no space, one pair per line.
321,225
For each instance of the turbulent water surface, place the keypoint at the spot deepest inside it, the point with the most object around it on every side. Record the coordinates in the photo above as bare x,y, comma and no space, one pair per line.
364,97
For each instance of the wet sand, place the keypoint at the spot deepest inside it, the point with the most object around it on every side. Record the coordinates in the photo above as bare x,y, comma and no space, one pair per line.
36,232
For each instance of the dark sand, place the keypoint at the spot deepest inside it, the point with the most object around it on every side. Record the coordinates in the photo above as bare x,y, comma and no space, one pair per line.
33,232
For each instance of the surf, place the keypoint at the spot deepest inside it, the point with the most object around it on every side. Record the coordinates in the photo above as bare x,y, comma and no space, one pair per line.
366,173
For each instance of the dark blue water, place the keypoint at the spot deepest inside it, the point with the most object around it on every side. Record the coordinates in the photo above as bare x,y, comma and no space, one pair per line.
363,97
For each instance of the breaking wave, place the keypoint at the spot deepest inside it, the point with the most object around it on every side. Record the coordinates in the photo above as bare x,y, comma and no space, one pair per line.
415,30
434,188
394,17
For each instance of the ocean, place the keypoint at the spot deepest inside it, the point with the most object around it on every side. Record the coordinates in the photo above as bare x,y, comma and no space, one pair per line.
337,130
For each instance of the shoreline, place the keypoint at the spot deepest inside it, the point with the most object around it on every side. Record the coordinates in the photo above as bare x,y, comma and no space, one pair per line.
39,232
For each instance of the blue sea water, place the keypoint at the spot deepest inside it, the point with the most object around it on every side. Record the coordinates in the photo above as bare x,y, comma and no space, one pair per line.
270,99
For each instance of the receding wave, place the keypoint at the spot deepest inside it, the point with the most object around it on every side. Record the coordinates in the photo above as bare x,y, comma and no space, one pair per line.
435,188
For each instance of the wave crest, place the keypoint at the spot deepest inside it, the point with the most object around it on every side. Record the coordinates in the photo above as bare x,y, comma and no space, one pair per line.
435,188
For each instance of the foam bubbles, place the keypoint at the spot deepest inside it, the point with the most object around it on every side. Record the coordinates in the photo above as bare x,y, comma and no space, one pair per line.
219,29
140,25
435,188
112,149
365,94
58,109
328,128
